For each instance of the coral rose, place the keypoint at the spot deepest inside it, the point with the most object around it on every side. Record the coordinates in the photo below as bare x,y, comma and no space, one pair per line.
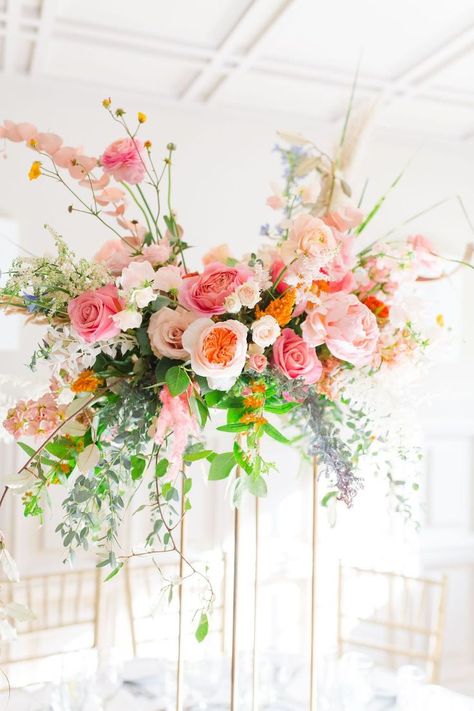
295,358
217,350
206,293
92,313
165,332
125,160
346,326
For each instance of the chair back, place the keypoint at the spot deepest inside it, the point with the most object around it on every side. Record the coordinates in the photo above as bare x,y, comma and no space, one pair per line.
398,619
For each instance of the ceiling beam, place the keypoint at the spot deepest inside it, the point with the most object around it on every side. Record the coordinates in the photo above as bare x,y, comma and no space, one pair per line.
253,49
47,17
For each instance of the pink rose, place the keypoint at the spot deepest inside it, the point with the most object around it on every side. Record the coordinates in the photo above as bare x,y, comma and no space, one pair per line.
206,293
346,325
125,160
217,350
257,362
117,254
165,331
295,358
92,313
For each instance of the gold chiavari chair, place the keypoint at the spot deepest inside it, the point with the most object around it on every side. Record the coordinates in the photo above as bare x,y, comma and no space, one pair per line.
66,617
153,616
397,618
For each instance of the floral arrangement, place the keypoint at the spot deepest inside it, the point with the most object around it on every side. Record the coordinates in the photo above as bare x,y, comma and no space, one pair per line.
140,347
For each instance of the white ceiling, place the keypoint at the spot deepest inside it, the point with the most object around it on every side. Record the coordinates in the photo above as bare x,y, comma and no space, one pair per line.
297,56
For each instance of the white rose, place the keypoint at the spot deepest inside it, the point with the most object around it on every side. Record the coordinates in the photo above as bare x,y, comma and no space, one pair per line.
232,304
265,331
249,294
128,318
142,297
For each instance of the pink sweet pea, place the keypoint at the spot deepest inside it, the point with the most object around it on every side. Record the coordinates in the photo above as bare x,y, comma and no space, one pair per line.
125,160
295,358
346,326
206,293
91,313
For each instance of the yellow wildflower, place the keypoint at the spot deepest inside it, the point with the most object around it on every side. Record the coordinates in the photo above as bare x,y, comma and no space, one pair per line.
141,117
148,145
35,170
440,320
106,103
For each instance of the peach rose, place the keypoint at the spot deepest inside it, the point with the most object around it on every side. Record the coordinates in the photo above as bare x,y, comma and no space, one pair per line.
92,313
257,362
165,332
125,160
308,237
206,293
295,358
346,326
265,331
218,350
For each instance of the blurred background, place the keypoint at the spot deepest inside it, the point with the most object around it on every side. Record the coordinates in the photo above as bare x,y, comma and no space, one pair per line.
220,78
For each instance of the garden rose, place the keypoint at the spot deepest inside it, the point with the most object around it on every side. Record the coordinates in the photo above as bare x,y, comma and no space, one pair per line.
346,325
206,293
249,294
308,237
218,350
165,332
265,331
257,362
295,358
92,313
125,160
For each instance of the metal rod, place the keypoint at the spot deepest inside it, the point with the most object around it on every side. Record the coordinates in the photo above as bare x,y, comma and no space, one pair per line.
256,608
235,617
179,665
313,688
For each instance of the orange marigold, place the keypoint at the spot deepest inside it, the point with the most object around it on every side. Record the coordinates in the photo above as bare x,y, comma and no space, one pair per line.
258,387
86,382
251,418
281,309
253,402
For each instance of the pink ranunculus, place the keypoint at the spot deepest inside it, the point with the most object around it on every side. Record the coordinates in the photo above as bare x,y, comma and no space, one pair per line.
125,160
165,332
217,350
346,326
117,254
91,313
295,358
344,219
275,270
218,254
206,293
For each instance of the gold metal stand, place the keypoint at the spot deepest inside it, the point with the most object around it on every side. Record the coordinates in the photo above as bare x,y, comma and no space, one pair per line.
313,689
180,665
256,608
235,617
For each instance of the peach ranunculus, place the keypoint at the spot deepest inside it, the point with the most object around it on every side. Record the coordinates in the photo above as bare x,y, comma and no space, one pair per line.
125,160
165,332
295,358
308,237
206,293
217,350
92,312
117,254
346,326
218,254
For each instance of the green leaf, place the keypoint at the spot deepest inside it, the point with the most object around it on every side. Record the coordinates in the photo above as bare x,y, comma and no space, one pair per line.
213,397
114,572
241,459
222,465
195,456
138,465
273,432
26,448
143,341
257,486
187,486
203,410
327,498
235,427
177,380
161,467
164,364
280,408
159,303
60,450
202,628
